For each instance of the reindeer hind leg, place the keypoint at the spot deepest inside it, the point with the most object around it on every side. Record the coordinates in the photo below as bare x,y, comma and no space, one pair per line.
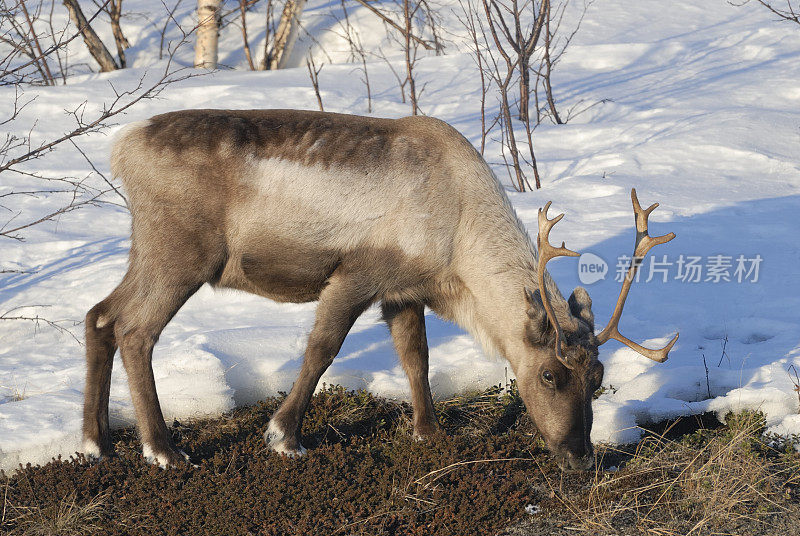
101,345
137,329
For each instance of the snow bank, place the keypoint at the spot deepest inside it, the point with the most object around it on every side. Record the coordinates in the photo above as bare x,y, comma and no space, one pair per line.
701,112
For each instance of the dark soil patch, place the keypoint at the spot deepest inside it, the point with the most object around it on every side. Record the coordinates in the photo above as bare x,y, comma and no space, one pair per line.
363,474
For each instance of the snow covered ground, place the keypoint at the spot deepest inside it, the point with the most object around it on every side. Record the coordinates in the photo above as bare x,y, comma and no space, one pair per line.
700,112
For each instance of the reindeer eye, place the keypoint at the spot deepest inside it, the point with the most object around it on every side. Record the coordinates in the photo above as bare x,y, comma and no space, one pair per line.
547,377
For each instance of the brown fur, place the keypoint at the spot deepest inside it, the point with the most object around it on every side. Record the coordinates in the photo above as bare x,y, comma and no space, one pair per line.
345,140
407,325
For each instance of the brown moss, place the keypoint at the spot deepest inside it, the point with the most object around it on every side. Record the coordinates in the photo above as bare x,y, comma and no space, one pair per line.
359,477
363,474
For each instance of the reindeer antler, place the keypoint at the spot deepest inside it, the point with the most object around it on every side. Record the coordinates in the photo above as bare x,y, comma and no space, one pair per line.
644,243
546,253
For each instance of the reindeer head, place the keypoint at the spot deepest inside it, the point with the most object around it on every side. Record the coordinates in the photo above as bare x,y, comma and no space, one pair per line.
557,385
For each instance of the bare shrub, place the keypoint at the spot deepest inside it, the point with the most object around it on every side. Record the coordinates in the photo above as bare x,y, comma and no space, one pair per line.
787,13
163,32
410,50
60,326
27,28
405,22
21,145
476,31
357,52
35,49
516,47
17,150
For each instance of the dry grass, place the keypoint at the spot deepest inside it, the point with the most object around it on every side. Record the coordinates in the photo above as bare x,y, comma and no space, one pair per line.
12,394
339,412
479,413
705,482
67,518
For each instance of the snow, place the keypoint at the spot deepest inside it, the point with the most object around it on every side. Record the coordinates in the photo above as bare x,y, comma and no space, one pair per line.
700,112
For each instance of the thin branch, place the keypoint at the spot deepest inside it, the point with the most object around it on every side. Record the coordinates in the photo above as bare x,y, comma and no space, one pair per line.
36,319
313,74
394,25
102,176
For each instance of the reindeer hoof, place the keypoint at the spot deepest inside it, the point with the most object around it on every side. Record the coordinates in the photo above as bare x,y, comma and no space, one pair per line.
286,451
424,433
165,458
276,440
93,452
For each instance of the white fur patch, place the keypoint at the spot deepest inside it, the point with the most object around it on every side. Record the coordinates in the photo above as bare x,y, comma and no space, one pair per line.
274,437
102,321
349,207
91,449
316,145
418,437
152,458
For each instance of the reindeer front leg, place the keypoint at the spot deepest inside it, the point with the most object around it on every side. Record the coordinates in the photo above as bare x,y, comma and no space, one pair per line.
341,302
407,325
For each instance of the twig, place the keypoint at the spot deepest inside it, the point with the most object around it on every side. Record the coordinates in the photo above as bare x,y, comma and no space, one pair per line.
410,54
170,17
394,25
357,50
81,195
439,473
36,319
57,45
796,382
105,179
313,74
35,39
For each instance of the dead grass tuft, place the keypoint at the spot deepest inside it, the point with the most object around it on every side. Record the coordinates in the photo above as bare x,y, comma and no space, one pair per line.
796,382
12,394
480,413
704,482
66,518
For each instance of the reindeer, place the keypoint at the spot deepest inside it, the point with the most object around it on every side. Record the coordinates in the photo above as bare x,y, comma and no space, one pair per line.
301,206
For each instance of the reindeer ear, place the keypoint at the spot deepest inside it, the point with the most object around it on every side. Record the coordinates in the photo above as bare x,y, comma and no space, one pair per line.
580,305
535,305
538,330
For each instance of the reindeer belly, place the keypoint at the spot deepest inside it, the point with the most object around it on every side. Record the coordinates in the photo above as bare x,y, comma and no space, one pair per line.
280,271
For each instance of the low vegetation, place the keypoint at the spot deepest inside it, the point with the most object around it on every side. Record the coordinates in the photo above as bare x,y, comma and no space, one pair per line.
364,474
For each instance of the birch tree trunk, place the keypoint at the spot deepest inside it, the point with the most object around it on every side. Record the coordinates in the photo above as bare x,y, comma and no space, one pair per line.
205,51
96,47
286,34
115,13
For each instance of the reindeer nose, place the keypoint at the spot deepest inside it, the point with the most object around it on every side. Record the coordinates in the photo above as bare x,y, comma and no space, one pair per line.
583,463
576,455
